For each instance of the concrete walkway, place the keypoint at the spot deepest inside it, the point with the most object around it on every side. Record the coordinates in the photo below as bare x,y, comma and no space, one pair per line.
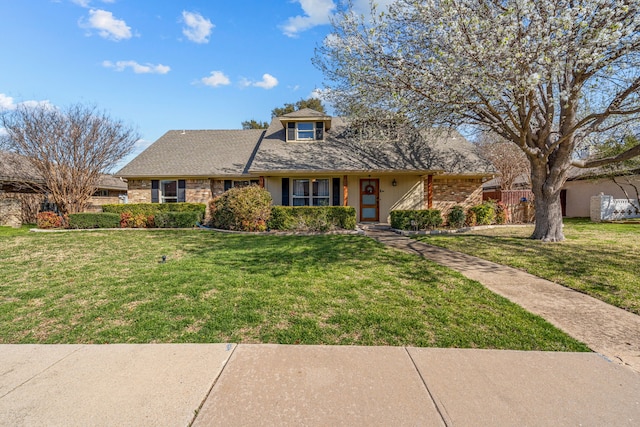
608,330
232,385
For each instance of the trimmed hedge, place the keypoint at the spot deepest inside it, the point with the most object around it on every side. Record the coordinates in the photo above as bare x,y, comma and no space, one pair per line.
312,218
152,209
423,219
177,219
94,220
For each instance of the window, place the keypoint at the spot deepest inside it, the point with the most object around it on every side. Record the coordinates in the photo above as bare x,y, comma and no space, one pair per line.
310,192
168,191
101,193
305,131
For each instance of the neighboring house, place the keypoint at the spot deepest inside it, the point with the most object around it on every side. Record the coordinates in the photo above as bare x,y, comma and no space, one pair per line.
307,158
18,177
582,184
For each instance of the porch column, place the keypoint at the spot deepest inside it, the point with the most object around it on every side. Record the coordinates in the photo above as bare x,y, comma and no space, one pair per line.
261,182
429,191
345,191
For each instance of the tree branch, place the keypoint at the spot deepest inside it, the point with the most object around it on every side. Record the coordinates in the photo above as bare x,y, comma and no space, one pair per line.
625,155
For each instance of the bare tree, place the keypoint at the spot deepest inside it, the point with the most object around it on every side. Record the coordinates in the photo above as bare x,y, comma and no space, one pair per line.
506,157
68,148
543,74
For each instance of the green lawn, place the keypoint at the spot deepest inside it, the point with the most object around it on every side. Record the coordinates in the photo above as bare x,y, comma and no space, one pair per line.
110,287
599,259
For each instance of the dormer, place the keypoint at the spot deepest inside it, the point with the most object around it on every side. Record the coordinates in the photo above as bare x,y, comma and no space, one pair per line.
305,125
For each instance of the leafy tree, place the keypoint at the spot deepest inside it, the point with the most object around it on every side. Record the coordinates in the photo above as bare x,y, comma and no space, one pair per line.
253,124
506,157
313,103
68,147
543,74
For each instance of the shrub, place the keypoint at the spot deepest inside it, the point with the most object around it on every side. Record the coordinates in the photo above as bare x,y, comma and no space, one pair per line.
471,220
151,209
501,213
47,220
312,218
177,219
456,217
485,214
130,220
241,208
94,220
416,219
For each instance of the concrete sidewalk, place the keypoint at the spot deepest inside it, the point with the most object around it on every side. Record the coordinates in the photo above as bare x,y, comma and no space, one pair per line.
608,330
224,384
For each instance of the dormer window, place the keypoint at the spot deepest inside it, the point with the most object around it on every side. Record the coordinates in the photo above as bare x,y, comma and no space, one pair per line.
305,131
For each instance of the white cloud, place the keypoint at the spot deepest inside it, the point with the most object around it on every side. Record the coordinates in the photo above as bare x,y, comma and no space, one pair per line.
321,94
137,68
87,3
107,25
198,28
33,104
316,12
6,102
267,82
217,78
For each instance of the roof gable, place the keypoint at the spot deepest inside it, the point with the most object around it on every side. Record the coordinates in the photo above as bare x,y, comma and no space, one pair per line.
190,153
434,150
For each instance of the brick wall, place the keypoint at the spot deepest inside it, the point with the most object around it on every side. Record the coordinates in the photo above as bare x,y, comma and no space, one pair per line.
197,190
139,190
448,192
10,212
217,187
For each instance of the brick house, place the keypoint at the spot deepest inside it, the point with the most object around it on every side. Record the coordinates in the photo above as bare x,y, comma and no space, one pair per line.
307,158
20,182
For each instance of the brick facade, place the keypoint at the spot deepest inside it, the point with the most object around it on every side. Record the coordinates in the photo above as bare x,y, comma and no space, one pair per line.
10,212
217,187
139,190
197,190
451,191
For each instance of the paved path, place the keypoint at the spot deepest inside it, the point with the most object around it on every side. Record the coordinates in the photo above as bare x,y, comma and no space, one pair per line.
606,329
232,385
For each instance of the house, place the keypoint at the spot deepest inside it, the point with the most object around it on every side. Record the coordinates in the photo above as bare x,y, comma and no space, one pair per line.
20,181
582,184
307,158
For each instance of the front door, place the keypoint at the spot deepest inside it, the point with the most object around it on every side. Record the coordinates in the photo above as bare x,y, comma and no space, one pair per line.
369,206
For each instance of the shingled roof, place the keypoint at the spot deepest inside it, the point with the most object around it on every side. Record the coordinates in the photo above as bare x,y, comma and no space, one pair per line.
191,153
435,151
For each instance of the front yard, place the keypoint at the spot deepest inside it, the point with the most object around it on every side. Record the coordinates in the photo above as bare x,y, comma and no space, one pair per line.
601,260
111,287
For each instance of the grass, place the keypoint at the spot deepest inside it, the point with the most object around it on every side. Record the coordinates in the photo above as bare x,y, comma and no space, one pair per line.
110,287
599,259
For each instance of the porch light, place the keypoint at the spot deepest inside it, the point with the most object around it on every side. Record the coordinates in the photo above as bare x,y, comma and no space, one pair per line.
394,182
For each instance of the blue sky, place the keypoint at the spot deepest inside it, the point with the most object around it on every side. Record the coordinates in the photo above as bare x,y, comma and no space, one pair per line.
161,65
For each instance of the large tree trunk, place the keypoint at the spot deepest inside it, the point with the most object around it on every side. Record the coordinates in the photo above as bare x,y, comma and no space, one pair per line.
547,203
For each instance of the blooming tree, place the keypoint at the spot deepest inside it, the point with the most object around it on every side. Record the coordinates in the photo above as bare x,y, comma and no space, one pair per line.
543,74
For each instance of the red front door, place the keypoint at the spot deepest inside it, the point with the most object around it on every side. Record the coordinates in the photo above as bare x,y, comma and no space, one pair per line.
369,200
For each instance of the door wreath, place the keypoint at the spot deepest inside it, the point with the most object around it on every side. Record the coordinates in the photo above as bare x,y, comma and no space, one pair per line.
369,189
